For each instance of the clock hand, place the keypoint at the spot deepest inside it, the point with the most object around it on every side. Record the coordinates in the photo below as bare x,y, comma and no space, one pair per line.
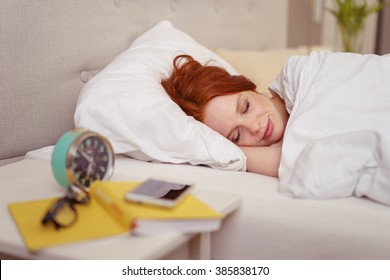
86,156
90,169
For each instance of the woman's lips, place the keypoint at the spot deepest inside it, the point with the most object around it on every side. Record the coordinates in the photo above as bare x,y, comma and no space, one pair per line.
268,129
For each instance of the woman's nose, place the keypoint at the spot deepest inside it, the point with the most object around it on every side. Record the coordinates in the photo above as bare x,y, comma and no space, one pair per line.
254,126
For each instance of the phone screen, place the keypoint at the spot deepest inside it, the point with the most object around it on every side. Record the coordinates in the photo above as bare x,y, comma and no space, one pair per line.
159,192
157,189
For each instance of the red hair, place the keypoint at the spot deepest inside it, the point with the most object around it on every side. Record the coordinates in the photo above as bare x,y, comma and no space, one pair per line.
192,85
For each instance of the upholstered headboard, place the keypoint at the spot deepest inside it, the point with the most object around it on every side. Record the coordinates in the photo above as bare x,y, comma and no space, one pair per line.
50,48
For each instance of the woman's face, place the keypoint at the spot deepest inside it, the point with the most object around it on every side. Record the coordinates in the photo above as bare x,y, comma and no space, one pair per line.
246,118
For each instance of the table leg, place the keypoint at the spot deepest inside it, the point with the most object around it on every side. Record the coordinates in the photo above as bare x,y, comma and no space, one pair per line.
200,246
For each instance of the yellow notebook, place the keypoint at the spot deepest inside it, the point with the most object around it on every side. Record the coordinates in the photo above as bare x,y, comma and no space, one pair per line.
190,215
95,221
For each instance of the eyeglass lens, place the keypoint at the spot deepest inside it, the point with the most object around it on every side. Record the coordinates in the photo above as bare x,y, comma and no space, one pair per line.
63,212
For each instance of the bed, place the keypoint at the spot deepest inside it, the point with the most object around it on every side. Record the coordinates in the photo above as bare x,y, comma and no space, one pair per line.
49,59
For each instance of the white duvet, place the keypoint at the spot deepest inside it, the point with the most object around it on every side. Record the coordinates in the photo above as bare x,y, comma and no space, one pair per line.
337,141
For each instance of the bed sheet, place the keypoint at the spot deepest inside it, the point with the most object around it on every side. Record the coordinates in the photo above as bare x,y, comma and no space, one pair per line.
269,225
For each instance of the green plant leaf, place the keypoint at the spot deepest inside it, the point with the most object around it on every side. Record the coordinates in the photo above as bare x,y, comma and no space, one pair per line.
351,16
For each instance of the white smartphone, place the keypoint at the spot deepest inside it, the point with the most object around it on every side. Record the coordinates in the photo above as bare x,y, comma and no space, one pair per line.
159,192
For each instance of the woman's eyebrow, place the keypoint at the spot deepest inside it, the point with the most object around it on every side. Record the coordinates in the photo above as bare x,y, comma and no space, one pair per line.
239,102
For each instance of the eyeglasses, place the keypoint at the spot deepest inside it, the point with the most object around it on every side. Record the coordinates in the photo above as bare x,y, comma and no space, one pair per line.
63,213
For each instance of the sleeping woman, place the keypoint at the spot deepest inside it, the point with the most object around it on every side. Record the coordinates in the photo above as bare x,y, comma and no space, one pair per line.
324,131
231,106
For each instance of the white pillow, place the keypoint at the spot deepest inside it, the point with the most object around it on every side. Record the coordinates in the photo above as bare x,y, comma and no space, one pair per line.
127,103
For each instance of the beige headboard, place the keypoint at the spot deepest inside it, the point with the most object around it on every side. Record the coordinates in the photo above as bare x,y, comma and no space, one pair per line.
50,48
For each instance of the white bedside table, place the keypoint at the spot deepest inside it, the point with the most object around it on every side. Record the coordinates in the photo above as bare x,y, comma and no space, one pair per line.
30,179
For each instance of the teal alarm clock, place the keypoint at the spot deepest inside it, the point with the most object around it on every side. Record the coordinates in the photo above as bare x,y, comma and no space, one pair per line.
80,157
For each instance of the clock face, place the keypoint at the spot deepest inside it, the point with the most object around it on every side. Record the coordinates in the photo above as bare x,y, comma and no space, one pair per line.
92,160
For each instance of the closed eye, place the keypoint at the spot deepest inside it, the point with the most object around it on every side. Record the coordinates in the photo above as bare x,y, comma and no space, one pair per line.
236,138
246,108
